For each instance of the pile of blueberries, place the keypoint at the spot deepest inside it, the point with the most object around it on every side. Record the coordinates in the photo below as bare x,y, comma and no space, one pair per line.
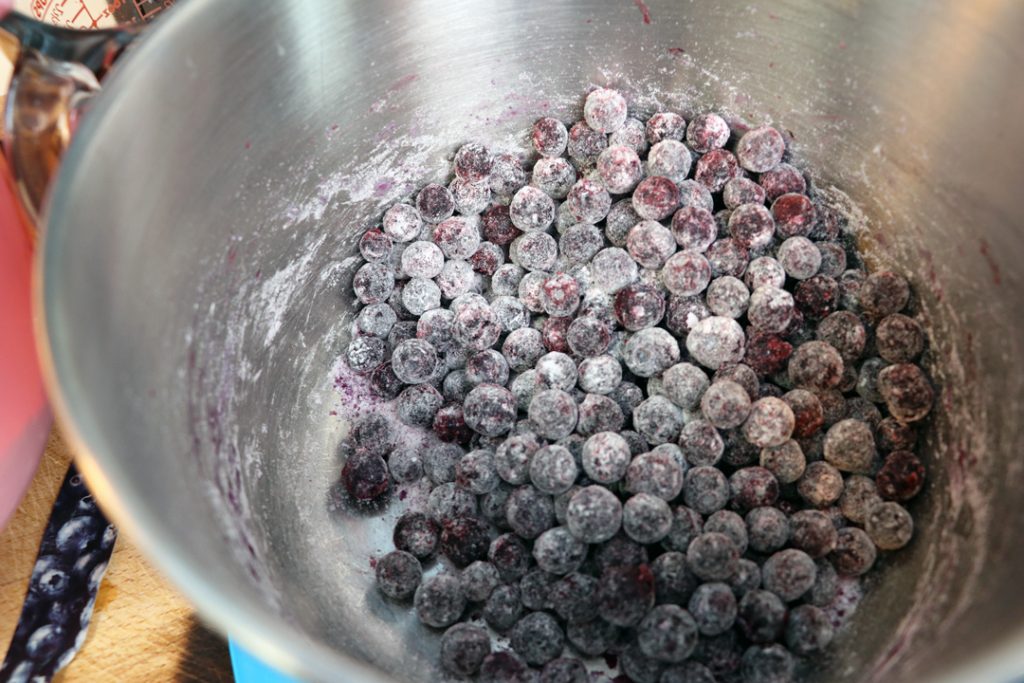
672,408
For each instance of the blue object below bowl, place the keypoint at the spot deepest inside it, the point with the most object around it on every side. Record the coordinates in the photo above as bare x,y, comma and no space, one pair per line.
249,669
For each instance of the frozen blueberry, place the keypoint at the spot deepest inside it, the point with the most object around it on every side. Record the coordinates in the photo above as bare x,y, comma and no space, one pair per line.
620,169
605,110
376,320
435,203
554,414
414,361
522,347
901,477
594,514
800,257
727,296
813,532
612,269
534,251
674,582
447,501
665,125
712,557
638,667
509,556
470,197
789,573
420,295
439,600
671,159
686,526
693,228
535,589
364,353
760,149
373,283
707,132
808,630
701,444
687,672
529,512
655,198
632,134
751,226
817,296
794,216
883,293
574,597
715,341
479,579
531,209
860,495
564,670
821,484
646,518
686,273
771,309
850,446
725,404
715,169
605,457
826,586
417,534
506,667
507,176
600,374
549,137
440,461
765,271
727,257
739,191
713,607
668,634
770,423
375,245
593,637
780,180
786,461
405,465
855,552
767,664
463,649
552,469
580,242
599,413
650,351
731,524
815,365
638,306
476,472
585,144
365,475
489,409
761,616
625,594
658,420
464,540
753,487
650,243
889,525
497,227
402,222
656,473
768,529
557,551
524,386
705,489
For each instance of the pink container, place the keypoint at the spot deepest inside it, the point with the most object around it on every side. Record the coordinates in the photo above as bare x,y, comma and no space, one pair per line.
25,417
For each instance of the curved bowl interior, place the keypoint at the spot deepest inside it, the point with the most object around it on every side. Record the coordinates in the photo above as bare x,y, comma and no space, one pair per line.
200,240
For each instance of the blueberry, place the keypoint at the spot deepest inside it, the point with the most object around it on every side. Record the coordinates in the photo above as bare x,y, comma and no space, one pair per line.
768,529
593,637
713,607
537,637
808,630
535,589
646,518
767,664
668,633
398,575
557,551
673,581
625,594
564,670
594,514
574,597
439,600
417,534
761,616
789,573
529,512
463,649
712,556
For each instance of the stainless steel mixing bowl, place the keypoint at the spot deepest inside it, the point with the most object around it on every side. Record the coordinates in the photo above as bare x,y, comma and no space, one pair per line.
197,253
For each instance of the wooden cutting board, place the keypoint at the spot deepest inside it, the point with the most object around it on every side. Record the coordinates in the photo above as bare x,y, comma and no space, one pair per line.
141,630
